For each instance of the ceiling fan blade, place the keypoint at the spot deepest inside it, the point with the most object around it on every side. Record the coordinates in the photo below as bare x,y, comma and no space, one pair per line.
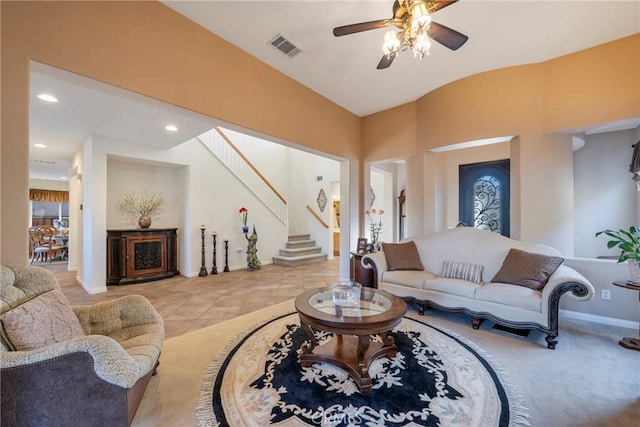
446,36
357,28
435,5
386,61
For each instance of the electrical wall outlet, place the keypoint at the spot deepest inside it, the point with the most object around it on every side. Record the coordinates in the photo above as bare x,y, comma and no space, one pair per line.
606,294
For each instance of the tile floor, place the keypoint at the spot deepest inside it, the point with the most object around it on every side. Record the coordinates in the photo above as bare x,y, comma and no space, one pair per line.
187,304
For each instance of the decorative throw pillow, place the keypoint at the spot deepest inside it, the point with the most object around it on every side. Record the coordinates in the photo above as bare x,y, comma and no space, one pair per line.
402,256
527,269
43,320
462,270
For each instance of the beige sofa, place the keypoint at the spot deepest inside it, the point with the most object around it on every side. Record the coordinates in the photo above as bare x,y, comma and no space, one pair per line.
471,250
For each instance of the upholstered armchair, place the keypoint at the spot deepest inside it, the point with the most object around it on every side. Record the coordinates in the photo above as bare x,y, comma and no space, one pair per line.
72,366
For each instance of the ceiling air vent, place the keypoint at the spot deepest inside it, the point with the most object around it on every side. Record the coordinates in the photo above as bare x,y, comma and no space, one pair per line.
285,46
44,162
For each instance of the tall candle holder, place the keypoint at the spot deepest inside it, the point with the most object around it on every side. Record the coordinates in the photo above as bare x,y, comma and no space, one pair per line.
203,269
214,269
226,255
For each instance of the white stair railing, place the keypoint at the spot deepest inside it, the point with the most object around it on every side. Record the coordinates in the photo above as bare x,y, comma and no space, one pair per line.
220,145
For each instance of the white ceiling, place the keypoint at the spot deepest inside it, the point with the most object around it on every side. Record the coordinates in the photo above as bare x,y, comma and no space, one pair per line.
86,107
501,34
343,69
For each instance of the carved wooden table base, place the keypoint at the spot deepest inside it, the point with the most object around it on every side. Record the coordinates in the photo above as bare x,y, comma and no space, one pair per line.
351,347
352,353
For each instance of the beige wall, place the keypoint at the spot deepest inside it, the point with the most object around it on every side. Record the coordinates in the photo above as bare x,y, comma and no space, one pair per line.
390,134
532,103
590,87
147,48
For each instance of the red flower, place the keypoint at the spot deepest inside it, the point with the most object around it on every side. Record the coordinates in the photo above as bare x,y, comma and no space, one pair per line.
244,213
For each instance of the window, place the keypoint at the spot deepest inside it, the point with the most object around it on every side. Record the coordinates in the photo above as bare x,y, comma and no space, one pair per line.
48,205
43,213
484,196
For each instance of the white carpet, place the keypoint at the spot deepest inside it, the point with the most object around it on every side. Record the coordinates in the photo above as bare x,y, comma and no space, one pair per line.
589,380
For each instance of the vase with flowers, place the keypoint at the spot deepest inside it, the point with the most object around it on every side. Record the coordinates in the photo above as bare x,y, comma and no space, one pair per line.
143,207
375,227
244,216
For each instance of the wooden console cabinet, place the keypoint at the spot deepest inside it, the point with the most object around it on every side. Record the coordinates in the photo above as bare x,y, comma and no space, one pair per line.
141,255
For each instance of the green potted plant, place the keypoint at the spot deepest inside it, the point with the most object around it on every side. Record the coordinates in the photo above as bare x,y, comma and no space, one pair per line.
628,241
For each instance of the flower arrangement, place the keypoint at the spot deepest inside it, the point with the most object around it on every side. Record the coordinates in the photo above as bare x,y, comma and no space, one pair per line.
375,224
244,216
143,205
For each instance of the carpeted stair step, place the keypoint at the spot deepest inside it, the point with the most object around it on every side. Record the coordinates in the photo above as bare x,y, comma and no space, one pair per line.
298,237
297,244
311,250
292,261
299,250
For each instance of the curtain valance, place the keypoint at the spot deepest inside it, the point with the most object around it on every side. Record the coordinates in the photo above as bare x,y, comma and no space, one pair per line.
38,195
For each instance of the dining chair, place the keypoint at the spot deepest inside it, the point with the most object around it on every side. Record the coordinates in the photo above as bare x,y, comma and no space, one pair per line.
43,244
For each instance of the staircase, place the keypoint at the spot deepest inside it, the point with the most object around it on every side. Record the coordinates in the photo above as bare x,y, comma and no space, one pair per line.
230,156
300,250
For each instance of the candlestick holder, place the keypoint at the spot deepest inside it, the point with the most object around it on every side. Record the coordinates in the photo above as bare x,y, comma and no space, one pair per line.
203,269
226,256
214,269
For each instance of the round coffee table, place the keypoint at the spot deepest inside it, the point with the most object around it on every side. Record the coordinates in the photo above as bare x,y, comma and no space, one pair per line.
351,347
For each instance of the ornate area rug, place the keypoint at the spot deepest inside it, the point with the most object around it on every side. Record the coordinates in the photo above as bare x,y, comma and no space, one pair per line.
436,379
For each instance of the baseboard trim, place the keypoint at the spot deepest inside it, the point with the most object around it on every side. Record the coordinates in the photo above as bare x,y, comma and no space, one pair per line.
233,268
612,321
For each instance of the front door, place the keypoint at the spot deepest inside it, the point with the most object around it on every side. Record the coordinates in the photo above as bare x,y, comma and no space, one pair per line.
484,195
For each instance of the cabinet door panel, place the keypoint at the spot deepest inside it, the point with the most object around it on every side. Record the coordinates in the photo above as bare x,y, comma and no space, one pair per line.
146,255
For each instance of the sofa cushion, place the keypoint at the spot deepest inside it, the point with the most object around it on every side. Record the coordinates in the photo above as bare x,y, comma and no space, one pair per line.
410,278
462,288
527,269
462,270
508,294
402,256
43,320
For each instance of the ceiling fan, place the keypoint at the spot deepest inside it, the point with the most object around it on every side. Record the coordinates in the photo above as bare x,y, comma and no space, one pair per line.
413,18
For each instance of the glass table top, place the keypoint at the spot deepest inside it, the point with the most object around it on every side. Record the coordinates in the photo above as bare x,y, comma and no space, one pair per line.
371,304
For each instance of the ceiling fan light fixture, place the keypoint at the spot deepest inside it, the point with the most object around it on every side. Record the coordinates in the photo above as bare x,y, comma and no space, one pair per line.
420,18
422,45
414,30
391,42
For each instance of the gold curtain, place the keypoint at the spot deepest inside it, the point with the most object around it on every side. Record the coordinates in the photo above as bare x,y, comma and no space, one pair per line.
38,195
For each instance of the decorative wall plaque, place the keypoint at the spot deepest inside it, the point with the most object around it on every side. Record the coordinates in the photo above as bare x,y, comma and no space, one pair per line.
322,200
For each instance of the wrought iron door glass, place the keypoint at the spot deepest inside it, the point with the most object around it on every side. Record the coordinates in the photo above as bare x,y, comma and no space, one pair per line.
484,196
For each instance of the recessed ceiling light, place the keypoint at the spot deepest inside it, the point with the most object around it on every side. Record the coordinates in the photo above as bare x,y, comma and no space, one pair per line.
171,128
40,145
63,177
47,97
